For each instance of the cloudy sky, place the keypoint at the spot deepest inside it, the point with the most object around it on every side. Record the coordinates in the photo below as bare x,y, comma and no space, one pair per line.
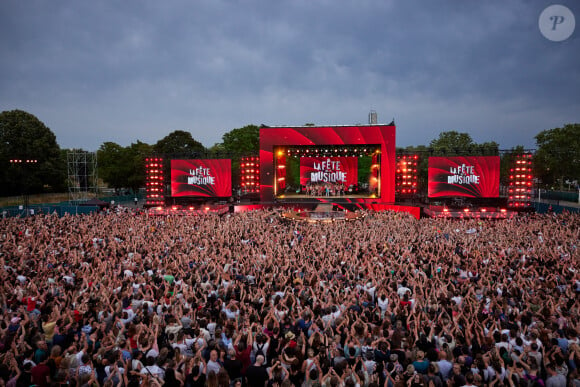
121,71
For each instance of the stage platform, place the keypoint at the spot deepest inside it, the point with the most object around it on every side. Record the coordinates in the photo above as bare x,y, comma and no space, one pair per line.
339,208
292,196
469,213
219,209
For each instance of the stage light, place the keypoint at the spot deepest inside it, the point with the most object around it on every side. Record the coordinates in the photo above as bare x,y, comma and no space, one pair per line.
207,208
466,210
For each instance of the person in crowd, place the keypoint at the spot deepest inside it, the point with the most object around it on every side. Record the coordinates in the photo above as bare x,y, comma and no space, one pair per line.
123,298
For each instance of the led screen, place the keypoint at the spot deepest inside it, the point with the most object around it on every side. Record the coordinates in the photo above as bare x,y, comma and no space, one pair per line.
382,136
201,178
470,176
333,170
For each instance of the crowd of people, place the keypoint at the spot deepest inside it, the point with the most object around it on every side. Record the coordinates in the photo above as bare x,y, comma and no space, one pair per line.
327,189
120,298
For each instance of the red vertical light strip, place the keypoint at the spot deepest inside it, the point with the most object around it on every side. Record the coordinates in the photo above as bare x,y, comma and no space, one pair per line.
154,180
520,182
406,175
250,174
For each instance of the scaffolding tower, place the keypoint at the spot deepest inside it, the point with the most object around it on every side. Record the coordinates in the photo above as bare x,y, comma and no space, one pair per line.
82,175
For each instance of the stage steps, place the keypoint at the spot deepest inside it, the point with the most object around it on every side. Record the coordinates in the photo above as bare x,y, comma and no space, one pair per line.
323,207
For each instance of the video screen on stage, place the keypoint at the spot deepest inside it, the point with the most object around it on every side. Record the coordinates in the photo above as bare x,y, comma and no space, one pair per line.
351,171
282,148
328,170
469,176
201,178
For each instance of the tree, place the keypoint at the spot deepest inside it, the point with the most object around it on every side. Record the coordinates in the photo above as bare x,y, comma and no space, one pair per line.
123,167
24,137
180,143
113,164
239,142
137,153
242,141
558,154
451,142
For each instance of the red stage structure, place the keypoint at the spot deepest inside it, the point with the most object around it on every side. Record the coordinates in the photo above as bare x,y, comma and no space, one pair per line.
276,141
339,168
250,175
406,175
521,179
154,182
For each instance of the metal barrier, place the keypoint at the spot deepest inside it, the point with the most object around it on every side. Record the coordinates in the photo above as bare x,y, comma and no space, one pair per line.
60,210
560,196
543,208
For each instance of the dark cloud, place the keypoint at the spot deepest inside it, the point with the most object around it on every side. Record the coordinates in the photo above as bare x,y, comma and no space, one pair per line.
122,71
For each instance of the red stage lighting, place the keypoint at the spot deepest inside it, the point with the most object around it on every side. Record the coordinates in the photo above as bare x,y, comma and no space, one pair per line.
405,175
153,179
521,179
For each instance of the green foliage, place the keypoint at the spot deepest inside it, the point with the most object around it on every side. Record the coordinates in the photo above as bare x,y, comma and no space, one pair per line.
123,167
236,143
293,172
451,142
558,154
242,141
179,143
25,137
137,153
112,164
364,169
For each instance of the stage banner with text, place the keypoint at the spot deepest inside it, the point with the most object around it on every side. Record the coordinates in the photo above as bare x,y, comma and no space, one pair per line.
469,176
334,170
201,178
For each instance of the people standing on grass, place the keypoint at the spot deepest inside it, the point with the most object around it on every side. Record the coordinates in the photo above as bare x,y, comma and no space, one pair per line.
121,297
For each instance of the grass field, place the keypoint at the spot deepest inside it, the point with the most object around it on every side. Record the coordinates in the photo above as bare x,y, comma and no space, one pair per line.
34,199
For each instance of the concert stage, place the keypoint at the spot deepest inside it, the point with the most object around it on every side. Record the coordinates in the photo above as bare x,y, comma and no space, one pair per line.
290,196
323,213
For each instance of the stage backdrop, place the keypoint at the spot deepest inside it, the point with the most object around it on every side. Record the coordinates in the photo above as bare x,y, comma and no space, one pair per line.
201,178
470,176
335,170
381,135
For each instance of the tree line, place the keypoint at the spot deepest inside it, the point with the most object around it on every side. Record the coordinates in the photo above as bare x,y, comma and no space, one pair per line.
31,160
